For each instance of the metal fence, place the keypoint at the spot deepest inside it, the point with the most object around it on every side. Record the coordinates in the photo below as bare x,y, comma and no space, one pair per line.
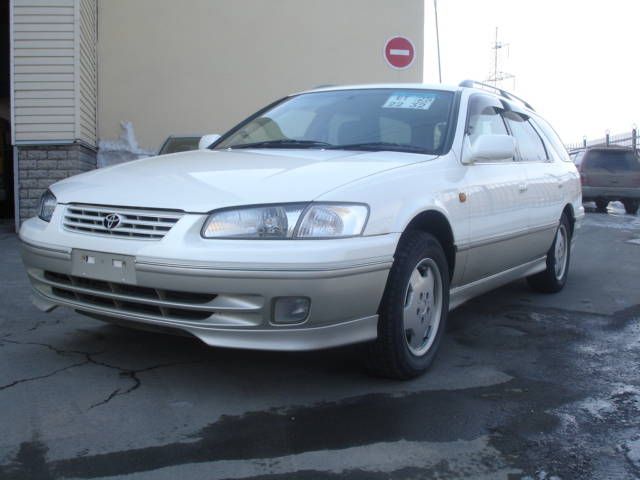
628,139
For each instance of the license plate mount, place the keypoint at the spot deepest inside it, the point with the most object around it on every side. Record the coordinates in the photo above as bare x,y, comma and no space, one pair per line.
108,267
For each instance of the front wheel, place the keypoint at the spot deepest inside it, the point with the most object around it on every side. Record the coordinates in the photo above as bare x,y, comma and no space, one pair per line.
631,206
553,278
414,309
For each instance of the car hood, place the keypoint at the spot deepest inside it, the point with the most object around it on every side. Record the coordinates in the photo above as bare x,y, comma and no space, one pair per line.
200,181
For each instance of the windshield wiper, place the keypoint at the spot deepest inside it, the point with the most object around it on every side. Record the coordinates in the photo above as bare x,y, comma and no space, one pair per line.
283,143
379,146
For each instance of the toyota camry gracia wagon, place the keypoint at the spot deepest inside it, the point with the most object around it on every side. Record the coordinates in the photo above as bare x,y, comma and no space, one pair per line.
331,217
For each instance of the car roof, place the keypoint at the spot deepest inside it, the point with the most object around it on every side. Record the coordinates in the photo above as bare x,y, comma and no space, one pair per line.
426,86
404,86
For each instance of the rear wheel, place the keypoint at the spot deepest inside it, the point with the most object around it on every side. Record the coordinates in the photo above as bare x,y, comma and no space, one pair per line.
414,309
601,204
631,206
553,278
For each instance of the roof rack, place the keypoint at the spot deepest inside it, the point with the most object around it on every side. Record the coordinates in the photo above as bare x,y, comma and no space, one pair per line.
502,93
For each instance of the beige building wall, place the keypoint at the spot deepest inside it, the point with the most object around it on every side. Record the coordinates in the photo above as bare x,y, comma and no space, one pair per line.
200,66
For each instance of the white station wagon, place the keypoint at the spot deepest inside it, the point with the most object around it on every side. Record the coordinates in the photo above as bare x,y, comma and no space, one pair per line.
331,217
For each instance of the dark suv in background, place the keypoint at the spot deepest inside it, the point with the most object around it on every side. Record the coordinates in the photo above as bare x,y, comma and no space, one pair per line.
608,174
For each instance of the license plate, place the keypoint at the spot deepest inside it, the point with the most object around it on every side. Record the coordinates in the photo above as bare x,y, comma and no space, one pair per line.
103,266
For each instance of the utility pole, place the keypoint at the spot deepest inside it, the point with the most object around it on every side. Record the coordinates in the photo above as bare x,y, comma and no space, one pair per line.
496,46
498,75
435,9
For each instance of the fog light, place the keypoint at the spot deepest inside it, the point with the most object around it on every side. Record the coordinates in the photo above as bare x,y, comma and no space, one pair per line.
291,310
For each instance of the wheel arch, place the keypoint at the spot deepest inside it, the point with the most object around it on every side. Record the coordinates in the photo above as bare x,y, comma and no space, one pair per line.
437,224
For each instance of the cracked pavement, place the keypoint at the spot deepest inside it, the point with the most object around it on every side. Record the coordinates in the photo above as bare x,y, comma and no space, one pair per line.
527,386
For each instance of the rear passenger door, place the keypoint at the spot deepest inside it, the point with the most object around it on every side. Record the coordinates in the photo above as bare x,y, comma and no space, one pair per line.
544,184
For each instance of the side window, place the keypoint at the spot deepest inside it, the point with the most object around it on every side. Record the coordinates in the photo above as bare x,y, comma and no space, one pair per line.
530,145
578,157
484,118
553,139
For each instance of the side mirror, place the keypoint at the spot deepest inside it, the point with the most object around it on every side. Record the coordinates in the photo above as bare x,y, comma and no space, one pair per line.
207,140
489,148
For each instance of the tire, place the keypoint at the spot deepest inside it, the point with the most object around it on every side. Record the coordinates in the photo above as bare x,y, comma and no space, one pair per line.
601,204
554,277
419,279
631,206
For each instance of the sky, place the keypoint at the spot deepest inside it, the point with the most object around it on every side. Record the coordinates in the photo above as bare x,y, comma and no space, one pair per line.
576,62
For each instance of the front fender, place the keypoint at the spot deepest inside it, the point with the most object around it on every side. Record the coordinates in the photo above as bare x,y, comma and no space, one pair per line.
397,196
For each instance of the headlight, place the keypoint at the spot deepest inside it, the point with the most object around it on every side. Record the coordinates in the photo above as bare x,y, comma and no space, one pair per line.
271,221
48,204
295,220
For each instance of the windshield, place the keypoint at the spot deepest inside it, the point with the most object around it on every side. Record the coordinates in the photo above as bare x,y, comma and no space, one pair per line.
403,120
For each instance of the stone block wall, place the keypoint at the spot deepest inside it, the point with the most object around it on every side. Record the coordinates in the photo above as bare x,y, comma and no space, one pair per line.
40,166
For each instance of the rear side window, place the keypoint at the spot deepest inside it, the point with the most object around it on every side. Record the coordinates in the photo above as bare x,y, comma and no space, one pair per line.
553,139
530,145
577,158
611,160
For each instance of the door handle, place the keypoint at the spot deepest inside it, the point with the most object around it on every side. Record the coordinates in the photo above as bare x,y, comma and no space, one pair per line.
523,187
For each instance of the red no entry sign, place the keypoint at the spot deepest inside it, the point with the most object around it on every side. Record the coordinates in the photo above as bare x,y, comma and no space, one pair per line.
399,52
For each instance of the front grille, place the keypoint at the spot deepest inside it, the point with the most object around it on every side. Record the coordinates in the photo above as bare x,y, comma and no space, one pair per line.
110,297
136,223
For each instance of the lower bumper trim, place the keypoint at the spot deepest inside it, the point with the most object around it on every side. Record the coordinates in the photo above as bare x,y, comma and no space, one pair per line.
275,338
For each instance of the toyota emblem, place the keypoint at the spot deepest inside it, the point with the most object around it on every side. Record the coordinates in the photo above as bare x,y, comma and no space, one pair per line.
111,221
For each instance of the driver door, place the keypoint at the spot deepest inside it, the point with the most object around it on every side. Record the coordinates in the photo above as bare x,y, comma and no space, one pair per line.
496,198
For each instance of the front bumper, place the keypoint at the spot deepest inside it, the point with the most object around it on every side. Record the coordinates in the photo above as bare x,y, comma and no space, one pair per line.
224,303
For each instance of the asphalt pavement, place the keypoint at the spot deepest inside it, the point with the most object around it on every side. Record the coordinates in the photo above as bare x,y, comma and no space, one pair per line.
527,386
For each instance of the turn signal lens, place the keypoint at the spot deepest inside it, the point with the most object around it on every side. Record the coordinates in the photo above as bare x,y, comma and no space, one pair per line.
327,220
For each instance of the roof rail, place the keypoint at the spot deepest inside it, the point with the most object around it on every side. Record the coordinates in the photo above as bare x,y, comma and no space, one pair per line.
502,93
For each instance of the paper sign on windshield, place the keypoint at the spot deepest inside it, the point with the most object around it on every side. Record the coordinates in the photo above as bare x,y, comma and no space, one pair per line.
414,101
